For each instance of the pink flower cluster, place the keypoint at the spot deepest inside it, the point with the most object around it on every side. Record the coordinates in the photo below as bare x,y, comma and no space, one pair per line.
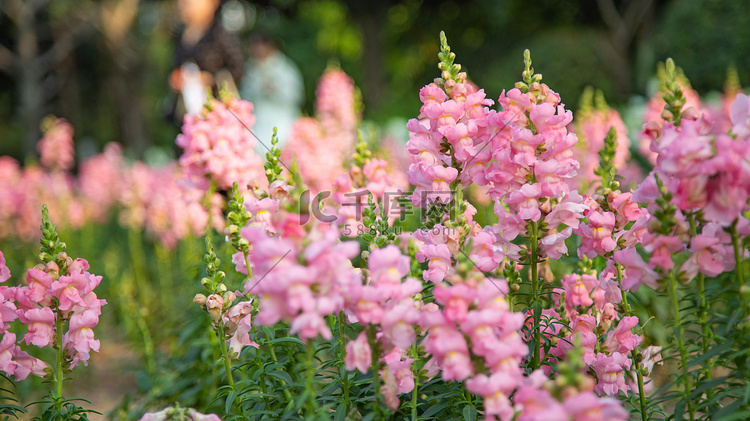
654,117
385,302
702,172
165,204
538,403
450,133
589,323
470,322
56,151
523,154
26,189
299,276
218,144
321,144
48,300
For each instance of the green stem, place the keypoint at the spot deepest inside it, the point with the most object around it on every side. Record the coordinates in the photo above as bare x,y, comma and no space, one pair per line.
375,367
342,347
59,374
415,391
207,203
533,257
272,352
633,354
225,353
739,266
312,403
702,310
679,333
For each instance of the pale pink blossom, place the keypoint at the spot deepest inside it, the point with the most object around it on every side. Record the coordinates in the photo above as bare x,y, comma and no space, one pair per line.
610,373
4,271
359,354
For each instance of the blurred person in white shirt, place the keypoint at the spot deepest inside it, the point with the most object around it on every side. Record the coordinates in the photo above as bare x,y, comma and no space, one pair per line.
273,83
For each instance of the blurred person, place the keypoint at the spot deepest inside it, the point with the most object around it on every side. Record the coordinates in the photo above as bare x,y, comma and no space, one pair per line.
206,56
273,83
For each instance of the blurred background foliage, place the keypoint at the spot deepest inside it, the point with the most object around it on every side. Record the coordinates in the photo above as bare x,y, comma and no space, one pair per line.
104,64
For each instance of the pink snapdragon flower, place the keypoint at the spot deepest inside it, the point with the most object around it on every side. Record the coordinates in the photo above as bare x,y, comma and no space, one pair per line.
588,407
334,124
398,321
80,338
636,271
704,257
40,323
621,339
495,390
578,290
301,280
359,354
525,200
238,323
439,263
596,237
387,267
4,271
740,115
610,373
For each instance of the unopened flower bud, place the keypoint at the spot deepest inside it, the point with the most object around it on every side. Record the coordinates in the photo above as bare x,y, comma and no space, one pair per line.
214,305
199,299
229,297
515,287
667,115
221,288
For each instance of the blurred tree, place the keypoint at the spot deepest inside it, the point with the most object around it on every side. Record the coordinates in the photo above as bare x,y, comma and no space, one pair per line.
705,38
126,60
45,34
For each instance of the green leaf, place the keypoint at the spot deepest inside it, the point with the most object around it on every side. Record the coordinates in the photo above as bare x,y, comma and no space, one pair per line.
434,409
340,412
230,401
470,413
281,375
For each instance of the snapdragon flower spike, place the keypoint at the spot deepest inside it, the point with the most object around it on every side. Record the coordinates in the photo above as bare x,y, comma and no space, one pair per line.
58,308
217,144
532,166
701,177
232,319
56,149
593,124
335,124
